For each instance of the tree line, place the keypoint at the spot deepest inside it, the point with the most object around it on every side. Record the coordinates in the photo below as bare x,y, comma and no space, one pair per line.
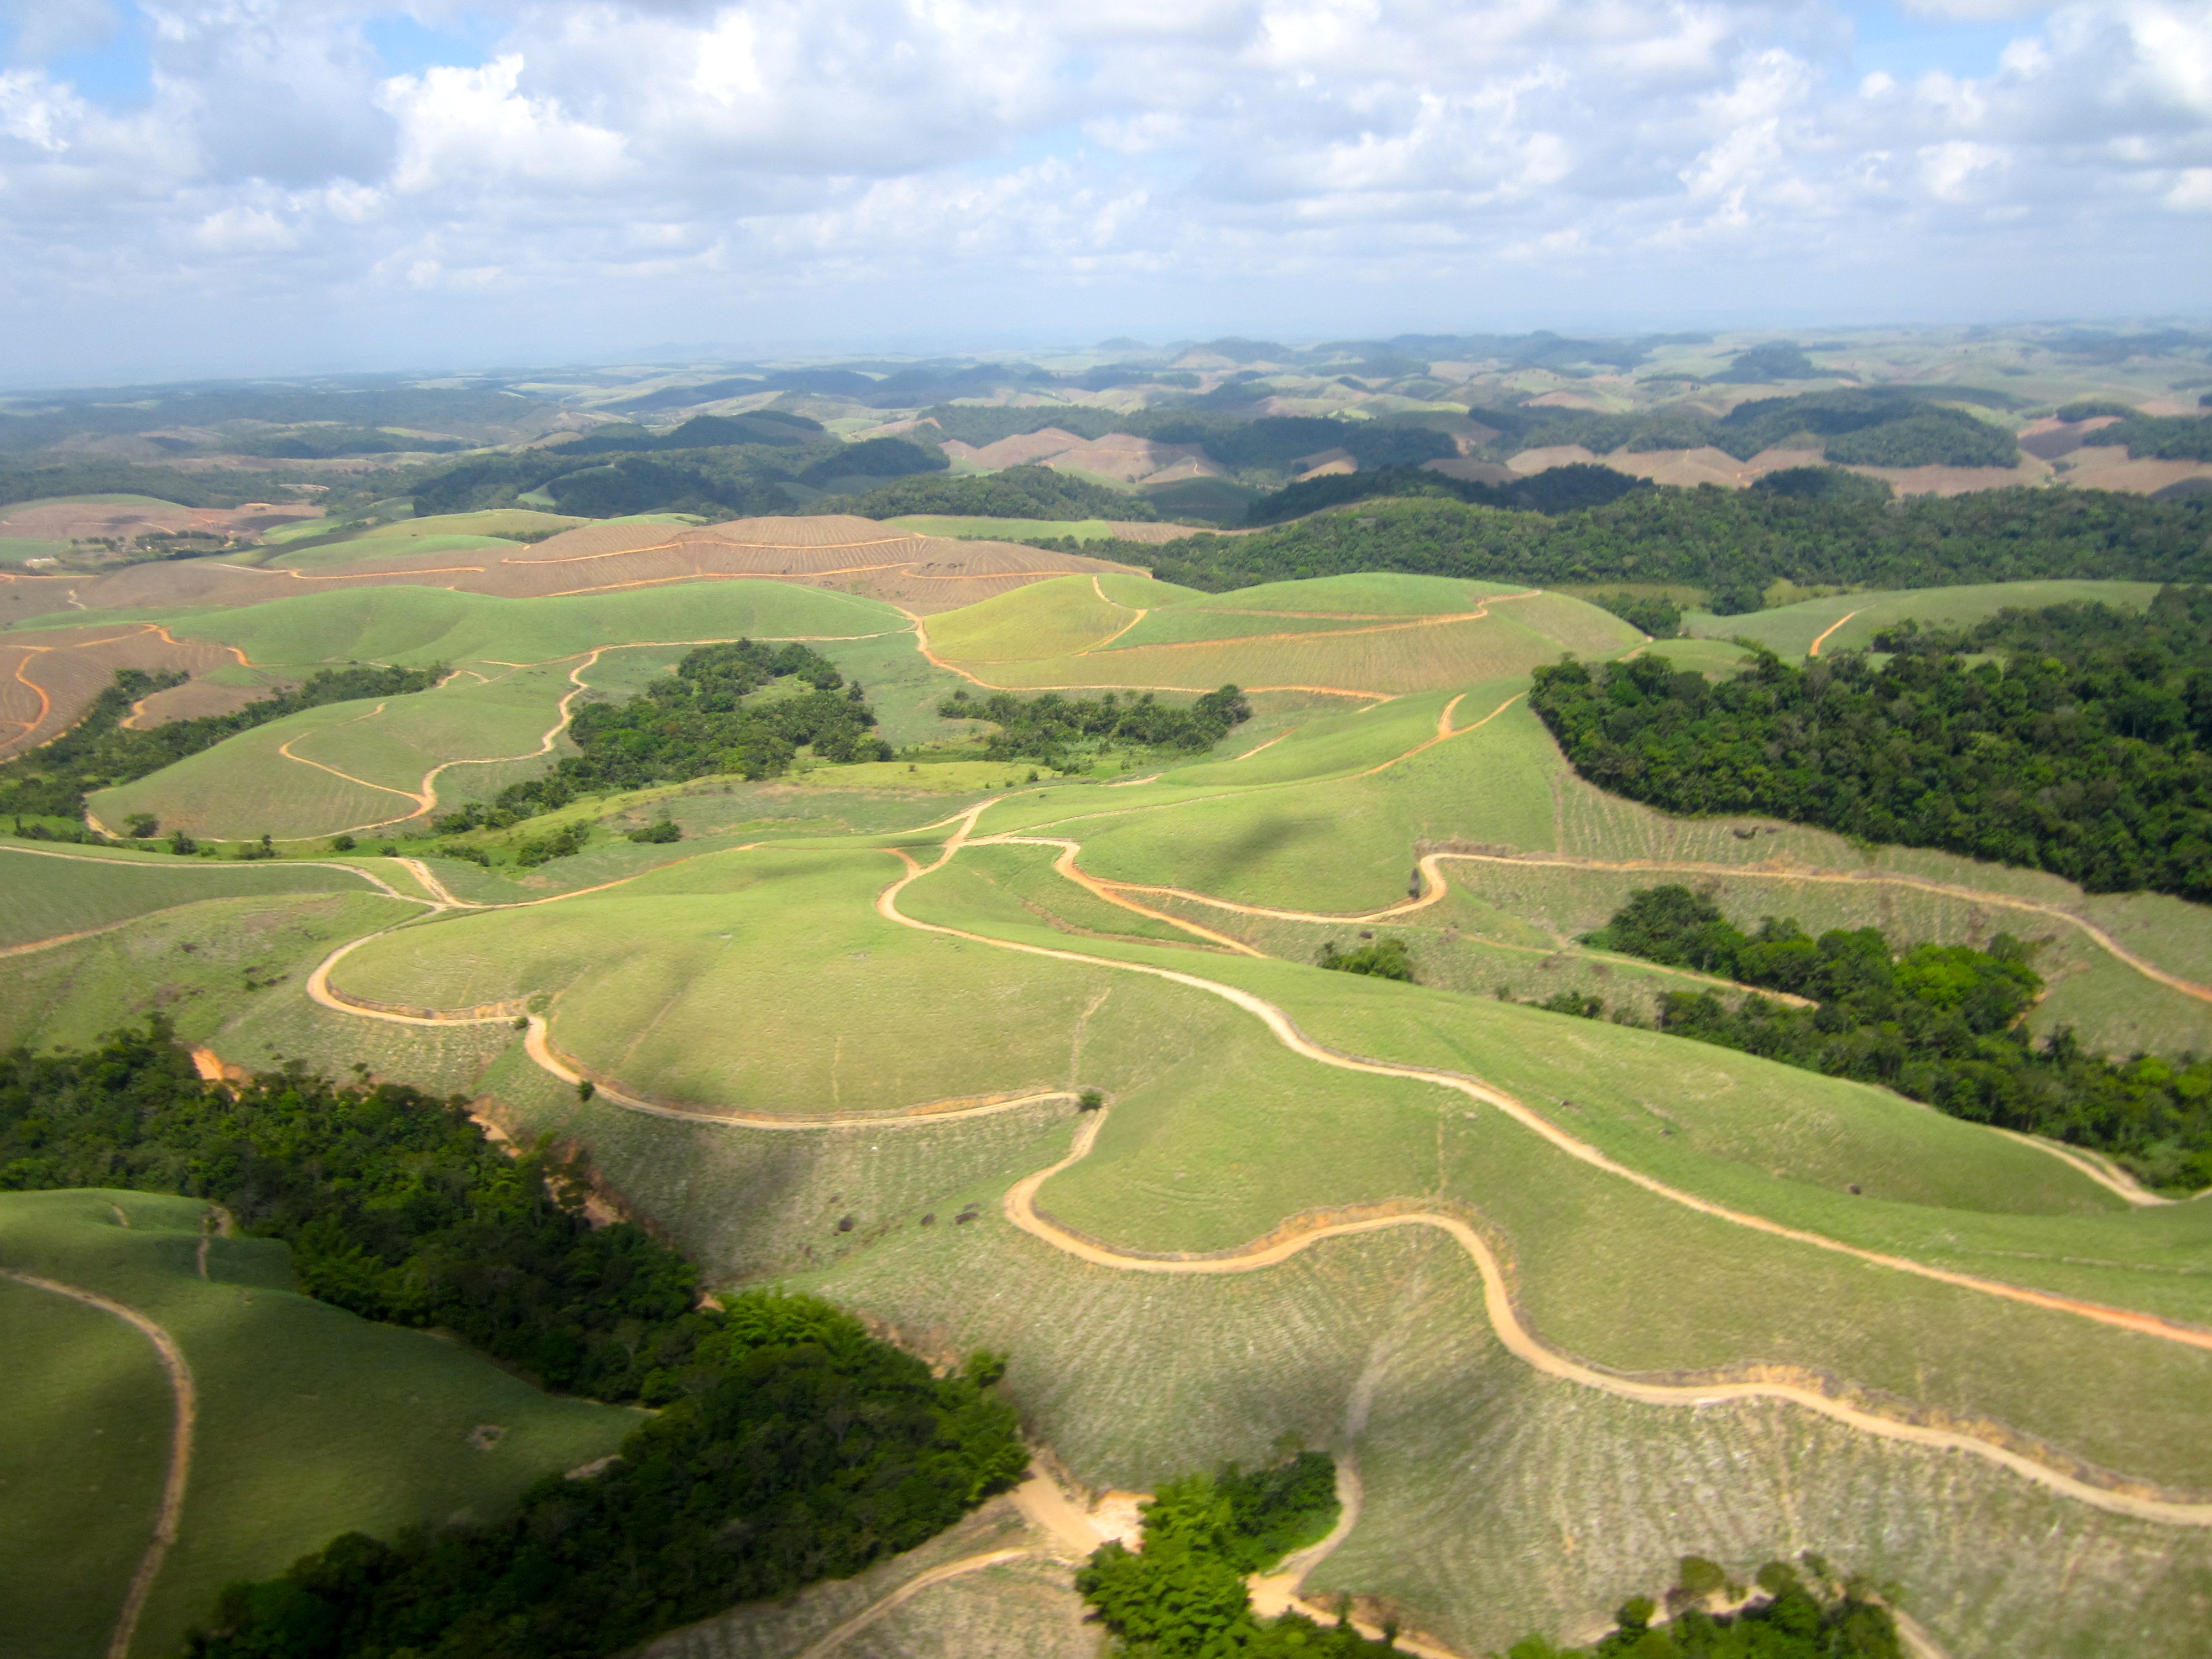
790,1445
1937,1023
1727,542
1018,492
100,752
1066,733
2088,753
1797,1615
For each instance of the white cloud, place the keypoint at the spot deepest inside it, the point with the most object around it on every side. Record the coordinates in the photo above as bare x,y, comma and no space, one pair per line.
693,155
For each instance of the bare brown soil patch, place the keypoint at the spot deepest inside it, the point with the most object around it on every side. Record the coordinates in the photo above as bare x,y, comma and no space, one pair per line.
923,574
2108,467
46,679
192,699
63,521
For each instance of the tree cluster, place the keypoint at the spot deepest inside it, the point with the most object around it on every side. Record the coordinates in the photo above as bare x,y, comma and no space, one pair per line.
1656,614
1554,490
1387,958
715,466
791,1445
1792,1620
100,752
2159,437
1183,1594
32,481
1937,1023
1063,732
720,711
2088,753
323,443
1019,492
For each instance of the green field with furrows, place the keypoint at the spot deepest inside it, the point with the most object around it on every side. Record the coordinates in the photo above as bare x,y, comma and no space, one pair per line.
202,963
309,1421
72,891
1789,630
834,1024
359,766
1390,634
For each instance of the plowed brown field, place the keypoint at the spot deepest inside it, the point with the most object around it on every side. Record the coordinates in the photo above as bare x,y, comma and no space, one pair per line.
46,680
921,574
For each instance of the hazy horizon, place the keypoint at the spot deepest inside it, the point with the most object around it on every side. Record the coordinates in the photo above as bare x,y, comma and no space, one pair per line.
220,188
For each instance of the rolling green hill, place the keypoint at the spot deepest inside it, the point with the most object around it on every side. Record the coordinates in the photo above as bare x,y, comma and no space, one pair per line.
1575,1297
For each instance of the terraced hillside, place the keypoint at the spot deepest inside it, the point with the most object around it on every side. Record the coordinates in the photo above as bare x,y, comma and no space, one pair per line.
1047,1066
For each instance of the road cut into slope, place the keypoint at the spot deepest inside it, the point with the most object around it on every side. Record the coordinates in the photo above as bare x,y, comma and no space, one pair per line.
1434,886
1021,1209
425,797
171,1511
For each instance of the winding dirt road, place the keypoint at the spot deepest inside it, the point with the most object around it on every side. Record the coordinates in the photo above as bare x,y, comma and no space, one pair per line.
1021,1209
171,1512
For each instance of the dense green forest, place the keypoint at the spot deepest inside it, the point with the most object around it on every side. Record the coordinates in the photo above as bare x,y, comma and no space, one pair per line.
2159,437
1066,735
23,482
1793,1620
1880,425
791,1445
1183,1596
323,443
1937,1023
1725,541
2088,753
1556,489
1019,492
97,752
716,466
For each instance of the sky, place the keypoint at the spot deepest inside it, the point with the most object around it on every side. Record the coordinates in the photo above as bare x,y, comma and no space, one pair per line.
237,187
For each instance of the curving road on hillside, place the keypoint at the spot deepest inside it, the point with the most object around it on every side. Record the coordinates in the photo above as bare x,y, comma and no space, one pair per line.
171,1511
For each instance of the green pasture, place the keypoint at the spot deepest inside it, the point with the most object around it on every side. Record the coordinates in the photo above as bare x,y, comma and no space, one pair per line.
16,550
1297,826
1352,633
353,766
1380,1345
443,532
47,894
203,964
1716,660
647,985
311,1422
1601,1256
1789,630
1044,619
416,626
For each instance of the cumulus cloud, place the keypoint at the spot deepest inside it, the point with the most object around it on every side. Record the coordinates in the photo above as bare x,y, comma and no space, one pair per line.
751,159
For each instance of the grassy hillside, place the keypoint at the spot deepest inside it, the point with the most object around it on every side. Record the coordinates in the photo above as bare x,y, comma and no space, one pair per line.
1663,1214
1849,622
310,1420
1367,635
352,767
